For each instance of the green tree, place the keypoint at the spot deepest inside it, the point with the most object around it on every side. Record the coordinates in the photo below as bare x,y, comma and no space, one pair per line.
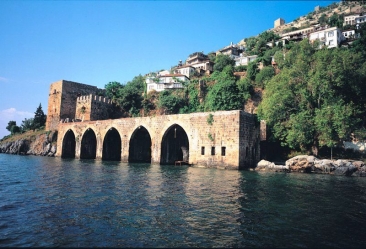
27,124
224,95
359,45
170,102
12,127
245,89
15,129
335,20
128,97
10,124
39,119
221,61
252,70
317,99
263,76
322,19
112,89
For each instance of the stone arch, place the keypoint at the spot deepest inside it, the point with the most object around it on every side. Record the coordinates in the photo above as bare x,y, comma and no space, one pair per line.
140,146
112,145
68,145
174,145
88,145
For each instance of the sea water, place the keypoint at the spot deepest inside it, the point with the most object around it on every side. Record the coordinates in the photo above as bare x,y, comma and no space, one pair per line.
54,202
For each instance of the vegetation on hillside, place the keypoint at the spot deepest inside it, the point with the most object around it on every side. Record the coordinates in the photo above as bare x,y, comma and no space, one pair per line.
36,123
314,98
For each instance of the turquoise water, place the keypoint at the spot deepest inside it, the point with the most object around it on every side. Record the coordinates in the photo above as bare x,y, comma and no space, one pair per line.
85,203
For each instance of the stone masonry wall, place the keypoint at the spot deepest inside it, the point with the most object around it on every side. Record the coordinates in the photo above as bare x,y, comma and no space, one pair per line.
62,101
249,144
92,107
219,144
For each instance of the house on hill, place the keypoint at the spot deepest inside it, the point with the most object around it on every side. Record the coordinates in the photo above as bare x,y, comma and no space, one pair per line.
233,50
330,37
200,61
164,82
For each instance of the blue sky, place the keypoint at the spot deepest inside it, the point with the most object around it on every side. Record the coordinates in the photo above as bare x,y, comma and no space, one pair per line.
95,42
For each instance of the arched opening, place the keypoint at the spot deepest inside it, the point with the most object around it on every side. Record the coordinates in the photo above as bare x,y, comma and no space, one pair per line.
88,145
174,146
112,146
140,146
68,145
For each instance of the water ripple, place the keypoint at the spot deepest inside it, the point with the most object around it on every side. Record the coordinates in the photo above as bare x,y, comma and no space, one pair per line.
51,202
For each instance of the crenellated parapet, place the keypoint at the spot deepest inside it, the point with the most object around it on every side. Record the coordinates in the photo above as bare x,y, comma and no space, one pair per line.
94,98
92,107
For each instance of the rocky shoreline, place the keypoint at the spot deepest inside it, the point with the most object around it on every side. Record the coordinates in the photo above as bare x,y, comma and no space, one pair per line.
40,145
311,164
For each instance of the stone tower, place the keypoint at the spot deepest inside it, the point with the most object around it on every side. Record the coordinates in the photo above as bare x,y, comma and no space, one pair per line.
62,100
279,22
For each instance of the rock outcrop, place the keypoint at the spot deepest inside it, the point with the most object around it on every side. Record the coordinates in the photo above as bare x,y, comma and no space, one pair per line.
40,145
269,166
311,164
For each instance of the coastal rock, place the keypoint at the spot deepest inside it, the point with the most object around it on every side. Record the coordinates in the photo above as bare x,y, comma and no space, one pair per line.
302,163
17,147
266,165
324,166
345,170
43,145
358,164
263,164
360,171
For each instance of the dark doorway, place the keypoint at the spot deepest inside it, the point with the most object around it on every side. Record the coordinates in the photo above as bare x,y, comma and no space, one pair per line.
112,146
68,145
88,145
140,146
174,146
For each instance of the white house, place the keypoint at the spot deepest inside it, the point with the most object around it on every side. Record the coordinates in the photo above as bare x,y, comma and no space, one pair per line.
350,19
330,37
244,60
186,70
349,34
360,19
167,81
199,60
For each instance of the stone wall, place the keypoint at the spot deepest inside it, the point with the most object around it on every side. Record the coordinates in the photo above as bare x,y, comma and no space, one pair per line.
62,101
92,107
227,139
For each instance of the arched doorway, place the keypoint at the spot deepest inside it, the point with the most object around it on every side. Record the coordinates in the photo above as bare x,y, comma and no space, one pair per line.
174,146
68,145
88,145
112,146
140,146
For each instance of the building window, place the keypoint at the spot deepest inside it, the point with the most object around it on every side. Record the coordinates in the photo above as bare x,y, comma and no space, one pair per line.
331,34
202,150
223,151
212,151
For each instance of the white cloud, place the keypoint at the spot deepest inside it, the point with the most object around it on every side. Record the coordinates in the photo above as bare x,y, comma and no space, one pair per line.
9,115
3,79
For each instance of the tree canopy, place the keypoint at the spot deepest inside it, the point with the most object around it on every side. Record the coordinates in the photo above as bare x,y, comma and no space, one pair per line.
39,119
317,99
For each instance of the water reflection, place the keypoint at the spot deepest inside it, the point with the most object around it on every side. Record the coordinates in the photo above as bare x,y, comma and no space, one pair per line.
84,203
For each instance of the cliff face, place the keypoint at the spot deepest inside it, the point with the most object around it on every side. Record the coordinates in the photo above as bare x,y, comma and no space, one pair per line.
41,145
